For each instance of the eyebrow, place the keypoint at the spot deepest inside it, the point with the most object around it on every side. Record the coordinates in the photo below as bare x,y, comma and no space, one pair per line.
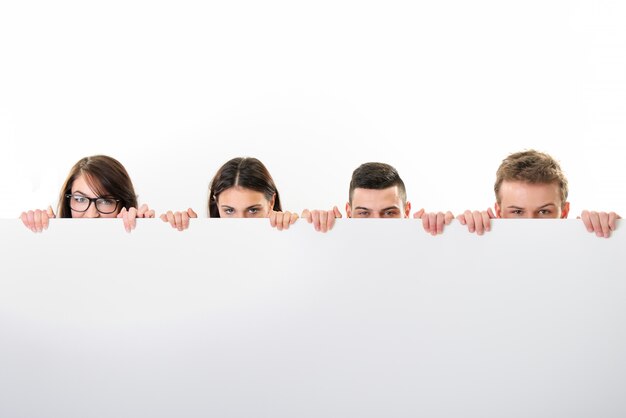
540,207
362,208
390,208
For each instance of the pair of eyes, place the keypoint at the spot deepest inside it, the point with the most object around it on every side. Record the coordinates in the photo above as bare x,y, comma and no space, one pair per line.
101,201
540,211
252,211
385,213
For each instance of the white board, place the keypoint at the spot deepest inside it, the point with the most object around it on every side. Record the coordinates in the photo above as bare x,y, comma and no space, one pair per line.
375,319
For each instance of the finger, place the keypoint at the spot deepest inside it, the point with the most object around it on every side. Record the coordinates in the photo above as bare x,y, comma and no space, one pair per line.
28,220
448,218
37,219
170,218
149,214
491,214
595,223
432,220
486,220
132,219
24,218
306,214
273,216
288,219
323,221
461,219
31,220
336,213
315,219
191,213
141,210
50,215
284,222
330,222
419,213
44,220
124,216
185,218
604,224
612,220
478,222
441,217
469,217
585,216
178,220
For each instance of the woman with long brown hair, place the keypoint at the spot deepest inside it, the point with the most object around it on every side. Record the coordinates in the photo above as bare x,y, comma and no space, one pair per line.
241,188
96,187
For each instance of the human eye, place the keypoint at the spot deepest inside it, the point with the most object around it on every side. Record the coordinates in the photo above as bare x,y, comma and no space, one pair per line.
391,213
516,212
253,211
229,211
79,199
545,212
107,202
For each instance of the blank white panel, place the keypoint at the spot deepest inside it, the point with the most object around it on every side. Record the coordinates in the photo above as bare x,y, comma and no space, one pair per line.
374,319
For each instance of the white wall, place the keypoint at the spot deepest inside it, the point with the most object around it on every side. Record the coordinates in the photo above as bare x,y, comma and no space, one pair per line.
441,90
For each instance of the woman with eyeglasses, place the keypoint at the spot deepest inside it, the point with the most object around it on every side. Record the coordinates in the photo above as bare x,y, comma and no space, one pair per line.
96,187
241,188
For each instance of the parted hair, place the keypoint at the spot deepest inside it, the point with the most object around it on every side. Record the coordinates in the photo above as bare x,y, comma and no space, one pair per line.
106,176
246,172
532,167
376,176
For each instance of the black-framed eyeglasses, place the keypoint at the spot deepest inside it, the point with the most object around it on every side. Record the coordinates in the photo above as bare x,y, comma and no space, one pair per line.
105,205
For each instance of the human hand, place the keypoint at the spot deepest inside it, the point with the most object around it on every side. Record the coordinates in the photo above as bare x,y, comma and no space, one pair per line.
178,220
322,220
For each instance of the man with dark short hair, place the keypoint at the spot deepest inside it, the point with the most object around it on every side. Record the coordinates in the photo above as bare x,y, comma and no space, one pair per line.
377,191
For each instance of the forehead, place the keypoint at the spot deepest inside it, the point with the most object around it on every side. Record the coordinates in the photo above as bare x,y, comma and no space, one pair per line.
240,196
375,199
520,193
81,184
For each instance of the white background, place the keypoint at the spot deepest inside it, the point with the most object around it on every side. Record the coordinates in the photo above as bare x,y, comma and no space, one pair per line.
441,90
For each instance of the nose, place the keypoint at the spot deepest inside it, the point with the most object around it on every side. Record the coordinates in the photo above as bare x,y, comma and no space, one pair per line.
92,212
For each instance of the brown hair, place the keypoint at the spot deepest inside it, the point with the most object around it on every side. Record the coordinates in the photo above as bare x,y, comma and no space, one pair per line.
106,176
376,176
532,167
245,172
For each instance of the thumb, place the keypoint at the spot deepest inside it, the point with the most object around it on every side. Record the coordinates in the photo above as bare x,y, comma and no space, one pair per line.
491,214
191,213
306,214
336,212
419,214
122,212
51,212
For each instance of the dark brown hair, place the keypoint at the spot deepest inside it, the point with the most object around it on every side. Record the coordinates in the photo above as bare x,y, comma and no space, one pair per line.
376,176
245,172
106,176
532,167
